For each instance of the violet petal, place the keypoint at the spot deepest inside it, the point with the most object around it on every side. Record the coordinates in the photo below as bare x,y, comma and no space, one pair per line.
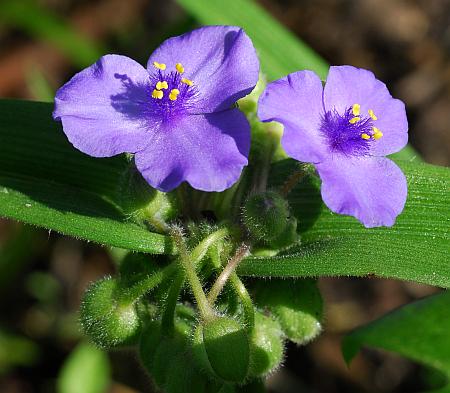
208,151
296,102
102,108
347,85
220,60
372,189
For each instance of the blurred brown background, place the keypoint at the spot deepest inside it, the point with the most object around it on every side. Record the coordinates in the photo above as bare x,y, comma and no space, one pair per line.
407,45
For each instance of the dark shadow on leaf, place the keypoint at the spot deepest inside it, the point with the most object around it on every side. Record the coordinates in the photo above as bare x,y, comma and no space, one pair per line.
305,199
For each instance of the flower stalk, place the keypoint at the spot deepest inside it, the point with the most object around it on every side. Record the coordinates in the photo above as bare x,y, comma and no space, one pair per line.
185,260
244,297
218,285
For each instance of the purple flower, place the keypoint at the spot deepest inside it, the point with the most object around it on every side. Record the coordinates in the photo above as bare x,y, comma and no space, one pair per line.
344,129
176,116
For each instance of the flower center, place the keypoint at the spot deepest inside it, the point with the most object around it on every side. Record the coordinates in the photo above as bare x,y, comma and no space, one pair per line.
350,133
171,94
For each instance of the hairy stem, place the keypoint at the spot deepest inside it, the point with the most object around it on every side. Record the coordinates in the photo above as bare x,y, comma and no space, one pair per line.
199,252
242,293
139,289
206,311
168,317
293,179
217,287
196,256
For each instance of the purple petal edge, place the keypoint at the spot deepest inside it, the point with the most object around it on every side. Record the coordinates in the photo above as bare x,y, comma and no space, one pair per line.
372,189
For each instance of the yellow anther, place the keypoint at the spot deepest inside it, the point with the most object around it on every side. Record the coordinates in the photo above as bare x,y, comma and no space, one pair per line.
187,81
162,85
174,94
353,120
356,109
179,68
365,136
159,66
377,134
158,94
372,115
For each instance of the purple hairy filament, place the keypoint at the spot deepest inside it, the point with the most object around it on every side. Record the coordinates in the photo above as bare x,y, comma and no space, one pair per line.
171,95
347,134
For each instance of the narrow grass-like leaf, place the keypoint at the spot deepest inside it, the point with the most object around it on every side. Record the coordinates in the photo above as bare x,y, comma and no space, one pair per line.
420,331
416,248
45,181
280,51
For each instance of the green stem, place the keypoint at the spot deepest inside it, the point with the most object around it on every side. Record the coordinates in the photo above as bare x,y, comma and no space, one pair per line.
199,252
139,289
206,311
263,158
244,296
226,273
223,201
168,317
293,179
196,256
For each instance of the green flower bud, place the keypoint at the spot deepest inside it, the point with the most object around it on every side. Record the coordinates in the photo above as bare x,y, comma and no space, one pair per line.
221,347
268,220
183,377
297,304
159,354
265,215
108,323
266,346
255,386
288,237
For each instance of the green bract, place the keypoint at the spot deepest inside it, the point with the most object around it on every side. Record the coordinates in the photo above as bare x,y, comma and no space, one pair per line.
221,347
297,304
266,346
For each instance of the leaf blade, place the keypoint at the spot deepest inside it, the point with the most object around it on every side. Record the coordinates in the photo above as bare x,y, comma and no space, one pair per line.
427,343
44,181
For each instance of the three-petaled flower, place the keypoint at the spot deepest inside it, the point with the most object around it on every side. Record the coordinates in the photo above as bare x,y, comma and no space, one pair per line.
344,129
176,116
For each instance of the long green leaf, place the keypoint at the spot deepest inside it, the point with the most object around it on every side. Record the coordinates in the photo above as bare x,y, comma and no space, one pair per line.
280,51
45,181
416,248
420,331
